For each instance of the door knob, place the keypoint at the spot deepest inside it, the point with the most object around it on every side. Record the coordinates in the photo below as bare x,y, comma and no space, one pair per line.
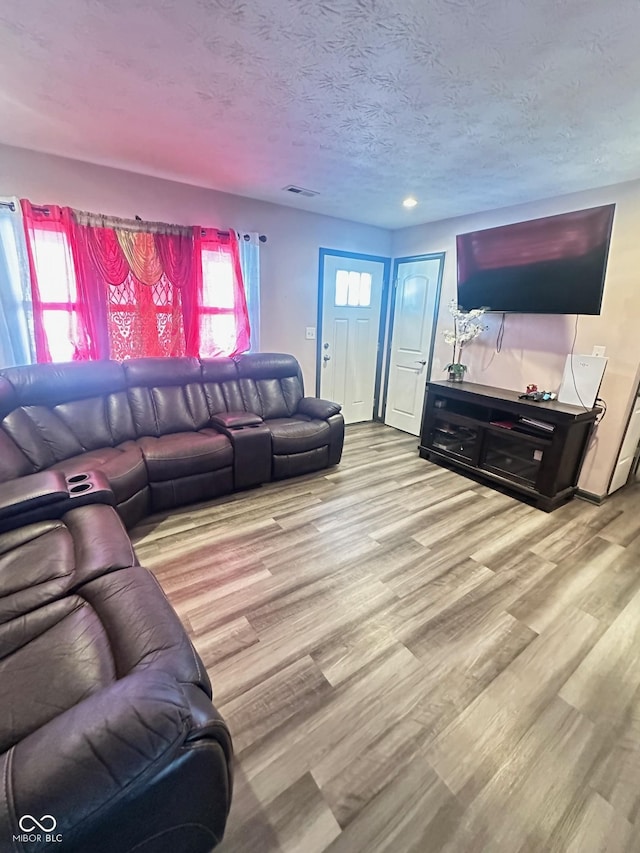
326,358
421,362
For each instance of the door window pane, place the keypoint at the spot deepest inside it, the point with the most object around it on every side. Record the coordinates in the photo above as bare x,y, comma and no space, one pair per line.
353,289
342,287
365,290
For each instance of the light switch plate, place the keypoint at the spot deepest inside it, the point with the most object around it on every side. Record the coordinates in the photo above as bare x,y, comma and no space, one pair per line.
599,351
310,333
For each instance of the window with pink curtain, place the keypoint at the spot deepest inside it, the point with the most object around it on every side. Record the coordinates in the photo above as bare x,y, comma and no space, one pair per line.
112,288
60,333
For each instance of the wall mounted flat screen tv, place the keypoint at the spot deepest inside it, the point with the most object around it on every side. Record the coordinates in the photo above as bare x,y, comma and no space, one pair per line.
554,265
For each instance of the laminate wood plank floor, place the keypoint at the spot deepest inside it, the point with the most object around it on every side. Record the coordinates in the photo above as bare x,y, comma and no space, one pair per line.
411,661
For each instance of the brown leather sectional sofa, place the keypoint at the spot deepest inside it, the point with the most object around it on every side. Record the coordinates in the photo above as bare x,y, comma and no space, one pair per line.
166,431
106,723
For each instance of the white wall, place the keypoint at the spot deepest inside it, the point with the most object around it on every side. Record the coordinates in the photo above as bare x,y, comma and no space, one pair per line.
535,346
289,260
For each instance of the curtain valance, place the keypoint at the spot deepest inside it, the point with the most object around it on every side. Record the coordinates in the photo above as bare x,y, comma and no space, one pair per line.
101,220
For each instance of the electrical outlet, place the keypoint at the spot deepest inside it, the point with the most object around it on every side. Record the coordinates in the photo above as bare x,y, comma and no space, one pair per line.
310,333
600,351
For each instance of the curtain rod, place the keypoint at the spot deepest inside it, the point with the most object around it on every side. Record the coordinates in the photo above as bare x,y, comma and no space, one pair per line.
11,205
261,237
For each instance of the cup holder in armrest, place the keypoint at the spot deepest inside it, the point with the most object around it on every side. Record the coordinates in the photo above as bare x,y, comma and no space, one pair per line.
79,488
90,487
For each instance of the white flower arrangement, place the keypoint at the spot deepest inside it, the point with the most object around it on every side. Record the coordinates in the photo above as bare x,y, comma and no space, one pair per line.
465,329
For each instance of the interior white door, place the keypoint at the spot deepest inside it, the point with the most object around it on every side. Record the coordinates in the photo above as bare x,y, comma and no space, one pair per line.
628,449
351,301
415,295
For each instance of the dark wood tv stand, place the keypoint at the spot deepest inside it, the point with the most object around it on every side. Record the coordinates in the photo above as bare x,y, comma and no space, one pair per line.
479,429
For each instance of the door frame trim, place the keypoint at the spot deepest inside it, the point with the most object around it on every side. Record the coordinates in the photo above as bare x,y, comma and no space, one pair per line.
431,256
384,301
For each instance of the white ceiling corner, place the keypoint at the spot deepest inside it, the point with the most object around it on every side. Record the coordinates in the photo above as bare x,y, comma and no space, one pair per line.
466,104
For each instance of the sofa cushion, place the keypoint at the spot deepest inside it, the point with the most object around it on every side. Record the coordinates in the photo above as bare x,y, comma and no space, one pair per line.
271,384
168,409
123,466
44,561
41,435
87,419
112,626
183,454
166,395
295,464
13,462
64,637
221,386
51,384
295,435
144,630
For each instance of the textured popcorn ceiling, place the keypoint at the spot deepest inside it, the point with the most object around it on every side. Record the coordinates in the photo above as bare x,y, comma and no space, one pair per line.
468,104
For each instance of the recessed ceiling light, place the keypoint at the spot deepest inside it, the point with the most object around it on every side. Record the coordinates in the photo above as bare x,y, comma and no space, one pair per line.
409,202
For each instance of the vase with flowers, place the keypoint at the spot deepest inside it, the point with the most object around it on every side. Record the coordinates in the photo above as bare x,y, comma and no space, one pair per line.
465,328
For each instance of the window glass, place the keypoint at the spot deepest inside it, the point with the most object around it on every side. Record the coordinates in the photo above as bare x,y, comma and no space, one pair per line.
217,280
353,289
217,333
342,287
62,331
56,277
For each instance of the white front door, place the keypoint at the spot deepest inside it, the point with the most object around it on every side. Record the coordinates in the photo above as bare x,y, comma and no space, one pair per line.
351,303
415,298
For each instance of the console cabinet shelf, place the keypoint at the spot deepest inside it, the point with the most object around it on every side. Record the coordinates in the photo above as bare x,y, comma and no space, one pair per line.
534,449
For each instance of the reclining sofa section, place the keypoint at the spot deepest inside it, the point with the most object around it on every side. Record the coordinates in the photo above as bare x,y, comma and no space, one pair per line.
107,731
166,431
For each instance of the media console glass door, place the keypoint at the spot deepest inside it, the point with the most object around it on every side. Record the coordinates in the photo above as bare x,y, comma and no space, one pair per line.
511,457
461,440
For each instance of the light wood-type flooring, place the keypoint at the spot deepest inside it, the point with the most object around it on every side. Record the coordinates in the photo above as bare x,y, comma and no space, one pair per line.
410,661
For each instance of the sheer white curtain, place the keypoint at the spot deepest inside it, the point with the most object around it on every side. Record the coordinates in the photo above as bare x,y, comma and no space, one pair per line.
250,263
16,316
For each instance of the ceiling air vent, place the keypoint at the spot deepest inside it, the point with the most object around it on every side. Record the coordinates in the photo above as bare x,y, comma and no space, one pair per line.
300,191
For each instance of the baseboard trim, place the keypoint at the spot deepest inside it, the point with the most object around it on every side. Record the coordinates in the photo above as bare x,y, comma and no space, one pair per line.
591,497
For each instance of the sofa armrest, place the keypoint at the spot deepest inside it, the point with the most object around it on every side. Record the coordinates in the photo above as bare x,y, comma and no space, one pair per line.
314,407
48,495
35,491
235,420
92,765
